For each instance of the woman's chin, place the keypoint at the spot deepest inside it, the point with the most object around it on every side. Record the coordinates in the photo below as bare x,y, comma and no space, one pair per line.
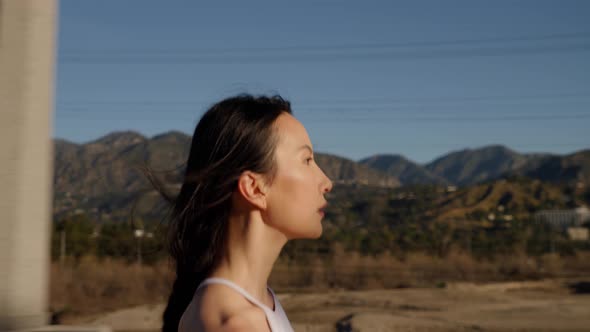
309,234
316,233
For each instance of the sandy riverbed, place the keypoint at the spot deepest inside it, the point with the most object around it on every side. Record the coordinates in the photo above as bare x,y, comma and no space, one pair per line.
549,305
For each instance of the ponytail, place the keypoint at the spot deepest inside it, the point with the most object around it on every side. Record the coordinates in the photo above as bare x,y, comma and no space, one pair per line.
182,293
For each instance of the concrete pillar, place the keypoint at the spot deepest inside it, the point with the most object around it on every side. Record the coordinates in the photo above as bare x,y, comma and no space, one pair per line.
27,62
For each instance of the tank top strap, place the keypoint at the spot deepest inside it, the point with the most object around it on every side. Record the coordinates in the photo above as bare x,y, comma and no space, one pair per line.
240,290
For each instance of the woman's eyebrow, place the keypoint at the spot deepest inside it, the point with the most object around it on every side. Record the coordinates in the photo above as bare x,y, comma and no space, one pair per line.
305,146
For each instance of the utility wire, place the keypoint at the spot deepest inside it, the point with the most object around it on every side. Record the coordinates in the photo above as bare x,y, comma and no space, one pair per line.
335,57
340,118
364,101
340,47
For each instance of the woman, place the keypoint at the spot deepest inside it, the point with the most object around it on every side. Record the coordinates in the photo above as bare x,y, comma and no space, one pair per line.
251,184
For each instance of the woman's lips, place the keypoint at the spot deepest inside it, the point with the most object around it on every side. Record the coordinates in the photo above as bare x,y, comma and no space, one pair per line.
322,210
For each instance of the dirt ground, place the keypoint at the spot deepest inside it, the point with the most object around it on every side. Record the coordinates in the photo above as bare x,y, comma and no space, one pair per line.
549,305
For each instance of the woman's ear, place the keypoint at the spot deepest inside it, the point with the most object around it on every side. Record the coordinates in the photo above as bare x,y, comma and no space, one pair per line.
252,187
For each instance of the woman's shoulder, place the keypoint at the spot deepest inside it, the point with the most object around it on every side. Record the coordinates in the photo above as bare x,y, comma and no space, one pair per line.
219,308
252,319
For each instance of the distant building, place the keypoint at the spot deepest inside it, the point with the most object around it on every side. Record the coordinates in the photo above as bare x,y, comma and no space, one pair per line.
563,219
577,233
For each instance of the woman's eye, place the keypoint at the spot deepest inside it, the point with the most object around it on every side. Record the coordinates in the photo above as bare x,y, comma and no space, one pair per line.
308,160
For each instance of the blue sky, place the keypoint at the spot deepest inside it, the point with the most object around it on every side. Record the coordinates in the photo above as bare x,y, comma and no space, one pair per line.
417,78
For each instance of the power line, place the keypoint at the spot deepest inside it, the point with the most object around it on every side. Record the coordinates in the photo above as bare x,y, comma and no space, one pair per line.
534,117
459,99
340,119
341,47
350,110
459,145
334,57
366,108
365,101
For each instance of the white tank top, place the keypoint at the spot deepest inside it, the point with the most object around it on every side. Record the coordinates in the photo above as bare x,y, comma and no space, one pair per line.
277,319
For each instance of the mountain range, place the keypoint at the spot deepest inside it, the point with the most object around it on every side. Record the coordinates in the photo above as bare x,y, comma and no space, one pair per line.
472,166
107,174
114,162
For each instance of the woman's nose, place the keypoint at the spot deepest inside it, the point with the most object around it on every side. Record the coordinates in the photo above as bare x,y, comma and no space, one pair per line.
327,185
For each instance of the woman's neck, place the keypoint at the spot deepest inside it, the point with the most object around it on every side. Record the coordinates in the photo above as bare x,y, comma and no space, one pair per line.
251,250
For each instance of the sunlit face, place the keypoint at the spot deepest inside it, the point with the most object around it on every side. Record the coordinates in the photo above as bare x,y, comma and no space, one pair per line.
296,195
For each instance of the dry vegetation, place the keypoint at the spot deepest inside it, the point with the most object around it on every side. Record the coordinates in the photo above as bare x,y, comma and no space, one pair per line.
518,197
91,287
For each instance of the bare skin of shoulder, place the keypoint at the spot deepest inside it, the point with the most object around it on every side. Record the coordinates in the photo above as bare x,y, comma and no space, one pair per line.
217,308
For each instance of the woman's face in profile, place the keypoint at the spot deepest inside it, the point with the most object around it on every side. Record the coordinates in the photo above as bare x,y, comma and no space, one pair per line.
296,195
